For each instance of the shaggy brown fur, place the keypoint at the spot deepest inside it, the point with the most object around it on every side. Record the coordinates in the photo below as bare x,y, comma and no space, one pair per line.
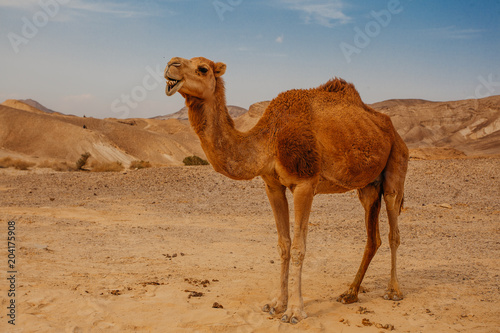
321,140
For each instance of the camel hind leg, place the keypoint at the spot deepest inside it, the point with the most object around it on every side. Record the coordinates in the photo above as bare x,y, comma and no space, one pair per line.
393,188
370,197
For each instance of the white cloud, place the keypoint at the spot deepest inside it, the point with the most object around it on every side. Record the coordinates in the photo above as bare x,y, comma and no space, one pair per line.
322,12
279,39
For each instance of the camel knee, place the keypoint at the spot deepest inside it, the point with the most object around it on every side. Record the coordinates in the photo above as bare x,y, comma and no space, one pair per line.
284,249
391,200
394,239
297,256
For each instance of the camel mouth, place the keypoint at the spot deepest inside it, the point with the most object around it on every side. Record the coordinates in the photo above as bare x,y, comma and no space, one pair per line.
173,86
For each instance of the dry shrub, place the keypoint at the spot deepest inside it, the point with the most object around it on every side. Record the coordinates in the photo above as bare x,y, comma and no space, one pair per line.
8,162
5,162
139,165
57,166
82,161
23,165
107,167
194,160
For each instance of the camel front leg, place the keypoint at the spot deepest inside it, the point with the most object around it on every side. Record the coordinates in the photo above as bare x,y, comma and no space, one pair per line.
302,197
277,197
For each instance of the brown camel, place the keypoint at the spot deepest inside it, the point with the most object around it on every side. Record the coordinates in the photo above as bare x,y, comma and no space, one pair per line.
322,140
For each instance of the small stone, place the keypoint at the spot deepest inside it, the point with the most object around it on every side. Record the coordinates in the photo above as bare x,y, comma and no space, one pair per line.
366,322
217,306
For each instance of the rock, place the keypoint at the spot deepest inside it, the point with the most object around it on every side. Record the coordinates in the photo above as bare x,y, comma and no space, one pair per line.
445,205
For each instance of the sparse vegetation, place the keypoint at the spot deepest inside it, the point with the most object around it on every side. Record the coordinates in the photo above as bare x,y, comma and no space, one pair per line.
194,160
8,162
5,162
108,167
140,165
57,166
82,161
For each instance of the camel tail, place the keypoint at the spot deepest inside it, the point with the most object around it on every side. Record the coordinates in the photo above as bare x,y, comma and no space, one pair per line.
402,204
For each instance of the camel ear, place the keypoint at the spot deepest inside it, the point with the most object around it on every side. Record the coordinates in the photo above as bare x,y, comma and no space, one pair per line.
220,69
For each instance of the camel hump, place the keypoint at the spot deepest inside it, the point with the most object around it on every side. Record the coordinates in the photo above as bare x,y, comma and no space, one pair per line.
341,87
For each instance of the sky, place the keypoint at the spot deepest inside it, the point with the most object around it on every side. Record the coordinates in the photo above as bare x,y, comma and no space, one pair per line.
106,58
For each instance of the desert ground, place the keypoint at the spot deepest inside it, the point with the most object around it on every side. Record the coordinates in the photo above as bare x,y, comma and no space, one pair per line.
154,250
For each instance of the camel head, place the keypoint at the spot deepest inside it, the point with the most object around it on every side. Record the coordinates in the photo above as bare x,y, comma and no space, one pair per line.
196,77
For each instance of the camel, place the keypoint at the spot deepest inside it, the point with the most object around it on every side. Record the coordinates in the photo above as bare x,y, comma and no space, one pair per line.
315,141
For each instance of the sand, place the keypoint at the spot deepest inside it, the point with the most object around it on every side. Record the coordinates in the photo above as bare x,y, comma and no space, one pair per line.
152,251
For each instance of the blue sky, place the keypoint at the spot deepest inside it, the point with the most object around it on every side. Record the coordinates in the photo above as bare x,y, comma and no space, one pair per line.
105,58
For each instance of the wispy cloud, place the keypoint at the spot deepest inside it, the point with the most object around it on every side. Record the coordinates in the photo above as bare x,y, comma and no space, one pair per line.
280,39
453,32
322,12
123,10
83,7
26,4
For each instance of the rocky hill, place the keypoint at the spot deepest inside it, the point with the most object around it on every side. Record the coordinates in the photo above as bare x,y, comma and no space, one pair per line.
431,129
29,133
182,114
471,126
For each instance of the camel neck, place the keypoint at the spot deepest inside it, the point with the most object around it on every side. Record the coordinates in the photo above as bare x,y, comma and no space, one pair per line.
233,153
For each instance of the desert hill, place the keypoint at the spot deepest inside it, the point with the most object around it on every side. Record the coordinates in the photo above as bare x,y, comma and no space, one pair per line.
37,105
28,130
182,114
21,105
471,126
432,129
30,133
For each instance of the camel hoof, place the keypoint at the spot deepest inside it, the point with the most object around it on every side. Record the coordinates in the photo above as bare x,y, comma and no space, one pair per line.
266,308
393,296
347,298
293,315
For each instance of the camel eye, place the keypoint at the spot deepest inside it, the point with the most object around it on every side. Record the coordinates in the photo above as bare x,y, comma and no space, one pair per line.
204,70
